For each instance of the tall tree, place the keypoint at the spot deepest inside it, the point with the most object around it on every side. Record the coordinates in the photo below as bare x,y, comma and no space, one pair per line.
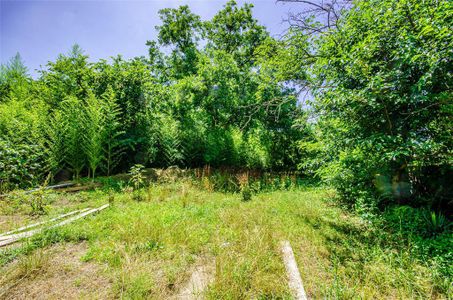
234,30
180,29
14,79
67,76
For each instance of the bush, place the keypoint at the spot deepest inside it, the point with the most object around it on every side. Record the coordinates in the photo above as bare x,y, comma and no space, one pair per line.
386,118
429,233
21,165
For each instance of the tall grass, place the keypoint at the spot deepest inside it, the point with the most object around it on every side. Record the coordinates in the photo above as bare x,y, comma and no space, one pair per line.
151,247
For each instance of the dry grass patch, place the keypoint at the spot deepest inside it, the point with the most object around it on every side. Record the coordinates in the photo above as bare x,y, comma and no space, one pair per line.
55,273
7,222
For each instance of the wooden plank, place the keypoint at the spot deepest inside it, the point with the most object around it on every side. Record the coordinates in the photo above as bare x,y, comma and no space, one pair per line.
295,281
81,215
80,188
19,236
50,187
6,235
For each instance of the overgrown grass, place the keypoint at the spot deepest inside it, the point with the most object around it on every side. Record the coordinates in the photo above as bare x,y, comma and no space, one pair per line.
152,246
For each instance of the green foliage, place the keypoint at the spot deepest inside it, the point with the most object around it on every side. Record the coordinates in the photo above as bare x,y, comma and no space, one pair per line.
37,199
94,133
55,142
13,78
377,125
181,28
112,145
436,223
429,233
67,76
74,118
382,97
234,30
201,103
137,178
170,142
244,186
21,165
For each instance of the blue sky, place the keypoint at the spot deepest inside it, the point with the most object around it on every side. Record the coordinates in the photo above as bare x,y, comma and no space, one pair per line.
40,30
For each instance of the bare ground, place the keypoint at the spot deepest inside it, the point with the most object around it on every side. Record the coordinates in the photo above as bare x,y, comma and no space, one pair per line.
55,273
202,276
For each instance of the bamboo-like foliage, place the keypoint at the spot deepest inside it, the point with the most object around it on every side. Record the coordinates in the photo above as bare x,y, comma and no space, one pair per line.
55,148
170,141
177,109
74,119
93,134
111,132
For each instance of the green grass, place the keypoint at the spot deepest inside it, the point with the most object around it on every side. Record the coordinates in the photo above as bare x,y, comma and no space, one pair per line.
152,246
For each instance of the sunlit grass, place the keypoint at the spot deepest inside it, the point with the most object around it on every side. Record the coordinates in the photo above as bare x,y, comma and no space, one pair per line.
152,246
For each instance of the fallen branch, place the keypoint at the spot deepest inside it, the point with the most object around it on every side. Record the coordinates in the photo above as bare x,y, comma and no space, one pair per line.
6,235
295,282
16,237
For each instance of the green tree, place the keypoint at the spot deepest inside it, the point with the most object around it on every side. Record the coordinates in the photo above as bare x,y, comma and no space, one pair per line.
383,97
181,29
14,79
234,30
67,76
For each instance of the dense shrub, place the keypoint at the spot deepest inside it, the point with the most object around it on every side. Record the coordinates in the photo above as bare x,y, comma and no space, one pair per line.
21,165
383,101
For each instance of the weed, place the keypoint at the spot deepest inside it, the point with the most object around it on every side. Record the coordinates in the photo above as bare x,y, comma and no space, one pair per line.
26,267
111,197
207,184
37,199
33,264
137,178
150,245
436,223
137,195
149,194
184,193
244,186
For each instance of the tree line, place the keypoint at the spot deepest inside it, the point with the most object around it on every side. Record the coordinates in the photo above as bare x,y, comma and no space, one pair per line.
224,92
204,102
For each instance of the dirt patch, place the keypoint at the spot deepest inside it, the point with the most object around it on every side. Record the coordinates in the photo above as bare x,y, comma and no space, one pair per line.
202,276
56,273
